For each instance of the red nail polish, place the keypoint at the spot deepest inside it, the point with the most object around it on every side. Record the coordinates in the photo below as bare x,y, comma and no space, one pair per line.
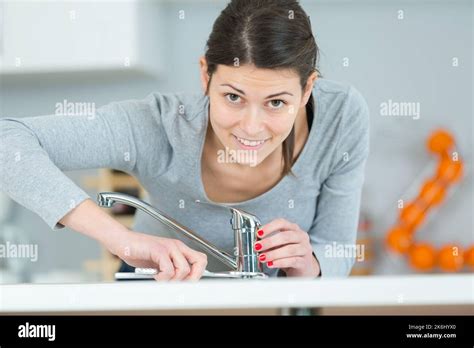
258,246
262,257
260,233
270,263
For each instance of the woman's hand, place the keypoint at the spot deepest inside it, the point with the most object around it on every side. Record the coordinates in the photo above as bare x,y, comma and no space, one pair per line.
285,245
173,259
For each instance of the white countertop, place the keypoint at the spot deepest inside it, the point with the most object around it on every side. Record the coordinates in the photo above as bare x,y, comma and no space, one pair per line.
229,293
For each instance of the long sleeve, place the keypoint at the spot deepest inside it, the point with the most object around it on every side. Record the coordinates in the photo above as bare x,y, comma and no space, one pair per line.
35,150
338,204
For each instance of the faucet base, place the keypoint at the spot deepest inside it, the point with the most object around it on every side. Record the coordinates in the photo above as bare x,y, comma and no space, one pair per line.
148,273
235,274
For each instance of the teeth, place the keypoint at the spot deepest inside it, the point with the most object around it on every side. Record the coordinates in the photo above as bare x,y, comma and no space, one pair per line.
250,143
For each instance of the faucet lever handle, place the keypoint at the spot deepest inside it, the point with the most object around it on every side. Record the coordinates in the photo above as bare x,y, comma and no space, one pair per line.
245,226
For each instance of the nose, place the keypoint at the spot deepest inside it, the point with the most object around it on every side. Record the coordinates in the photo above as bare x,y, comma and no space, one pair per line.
252,123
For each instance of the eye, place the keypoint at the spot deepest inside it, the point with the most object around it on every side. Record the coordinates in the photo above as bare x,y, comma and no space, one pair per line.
233,98
277,103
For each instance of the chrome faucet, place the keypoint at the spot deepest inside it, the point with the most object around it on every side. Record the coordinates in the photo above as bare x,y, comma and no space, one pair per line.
244,263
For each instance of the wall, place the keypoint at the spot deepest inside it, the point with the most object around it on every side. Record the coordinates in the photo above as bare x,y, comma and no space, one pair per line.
405,60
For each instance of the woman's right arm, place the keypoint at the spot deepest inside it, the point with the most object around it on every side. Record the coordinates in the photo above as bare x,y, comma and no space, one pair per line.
35,150
174,259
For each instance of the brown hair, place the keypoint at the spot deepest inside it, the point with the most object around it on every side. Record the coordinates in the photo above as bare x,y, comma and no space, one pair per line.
270,34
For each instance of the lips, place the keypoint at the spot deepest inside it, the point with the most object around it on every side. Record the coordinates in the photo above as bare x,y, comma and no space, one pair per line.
250,142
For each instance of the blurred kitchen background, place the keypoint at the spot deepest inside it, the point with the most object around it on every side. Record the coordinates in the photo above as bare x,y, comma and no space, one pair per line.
416,52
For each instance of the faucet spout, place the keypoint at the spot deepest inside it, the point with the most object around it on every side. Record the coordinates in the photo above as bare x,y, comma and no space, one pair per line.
107,200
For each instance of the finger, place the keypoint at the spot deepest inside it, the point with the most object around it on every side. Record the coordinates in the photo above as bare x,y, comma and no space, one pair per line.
181,265
289,250
287,262
197,269
197,260
274,226
278,240
165,267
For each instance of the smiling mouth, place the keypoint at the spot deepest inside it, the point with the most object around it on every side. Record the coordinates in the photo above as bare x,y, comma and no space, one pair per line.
248,142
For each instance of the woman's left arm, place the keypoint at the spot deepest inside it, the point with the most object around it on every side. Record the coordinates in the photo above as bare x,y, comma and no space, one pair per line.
299,253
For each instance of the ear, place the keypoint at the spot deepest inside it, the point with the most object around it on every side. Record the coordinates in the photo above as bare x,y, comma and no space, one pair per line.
203,73
309,88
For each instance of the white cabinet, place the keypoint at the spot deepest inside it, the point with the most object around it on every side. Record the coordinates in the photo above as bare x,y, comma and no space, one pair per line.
52,36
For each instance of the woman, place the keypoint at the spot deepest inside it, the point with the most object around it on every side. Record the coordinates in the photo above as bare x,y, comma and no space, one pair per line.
305,141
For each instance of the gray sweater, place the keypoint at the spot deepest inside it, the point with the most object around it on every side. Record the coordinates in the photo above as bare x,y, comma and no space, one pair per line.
159,140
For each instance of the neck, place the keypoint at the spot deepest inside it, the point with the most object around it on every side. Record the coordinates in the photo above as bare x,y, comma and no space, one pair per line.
301,129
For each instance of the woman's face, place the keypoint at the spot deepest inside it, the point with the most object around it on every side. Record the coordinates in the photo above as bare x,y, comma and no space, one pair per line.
253,109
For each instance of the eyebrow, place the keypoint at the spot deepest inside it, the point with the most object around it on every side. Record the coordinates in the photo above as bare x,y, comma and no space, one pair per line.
243,93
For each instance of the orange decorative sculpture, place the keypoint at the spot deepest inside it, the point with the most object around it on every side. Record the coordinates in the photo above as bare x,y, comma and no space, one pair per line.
400,239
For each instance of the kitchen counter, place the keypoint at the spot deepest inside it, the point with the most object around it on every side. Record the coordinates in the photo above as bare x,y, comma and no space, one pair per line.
406,290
